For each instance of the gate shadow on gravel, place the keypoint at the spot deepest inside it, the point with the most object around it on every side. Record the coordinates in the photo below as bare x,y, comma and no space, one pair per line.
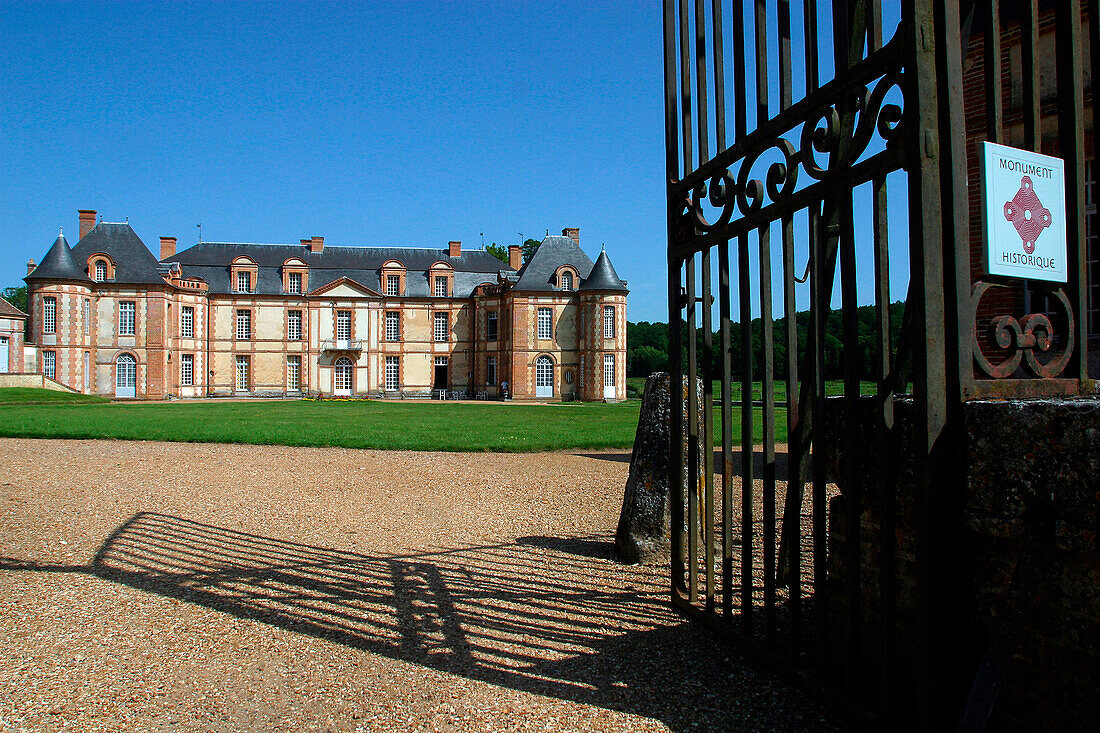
552,616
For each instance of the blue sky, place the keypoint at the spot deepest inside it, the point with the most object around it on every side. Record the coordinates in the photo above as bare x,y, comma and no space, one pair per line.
404,124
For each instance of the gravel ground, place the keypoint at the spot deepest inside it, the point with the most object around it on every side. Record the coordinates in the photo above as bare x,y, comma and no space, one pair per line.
160,586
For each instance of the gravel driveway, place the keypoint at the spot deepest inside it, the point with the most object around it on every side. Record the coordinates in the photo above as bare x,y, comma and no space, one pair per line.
161,586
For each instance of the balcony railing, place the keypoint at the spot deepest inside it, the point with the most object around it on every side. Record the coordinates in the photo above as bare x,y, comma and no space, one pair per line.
342,345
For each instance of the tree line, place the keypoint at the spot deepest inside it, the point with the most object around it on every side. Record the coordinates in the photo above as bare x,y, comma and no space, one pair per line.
647,348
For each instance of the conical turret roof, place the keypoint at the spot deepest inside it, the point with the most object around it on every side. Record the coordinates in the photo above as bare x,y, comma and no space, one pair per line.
59,264
603,276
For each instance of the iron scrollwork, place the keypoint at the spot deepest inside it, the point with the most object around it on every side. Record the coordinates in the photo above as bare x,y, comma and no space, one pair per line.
734,191
1022,338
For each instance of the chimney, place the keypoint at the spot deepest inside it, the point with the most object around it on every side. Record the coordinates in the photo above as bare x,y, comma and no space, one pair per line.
30,266
167,247
515,256
87,221
573,233
454,249
317,244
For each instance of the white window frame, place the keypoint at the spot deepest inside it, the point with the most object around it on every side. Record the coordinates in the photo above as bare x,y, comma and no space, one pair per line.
294,373
492,326
393,374
49,315
87,310
187,322
609,321
100,271
244,281
187,370
545,324
49,364
441,326
440,287
127,317
343,325
244,325
393,326
567,280
294,283
241,373
491,370
393,285
343,369
294,325
609,370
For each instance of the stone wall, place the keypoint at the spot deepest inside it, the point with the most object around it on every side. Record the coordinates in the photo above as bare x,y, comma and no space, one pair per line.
1020,589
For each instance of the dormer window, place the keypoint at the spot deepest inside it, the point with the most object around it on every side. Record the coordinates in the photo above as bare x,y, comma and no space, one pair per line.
244,282
440,287
393,285
100,267
567,281
100,271
566,278
441,279
295,276
393,279
244,275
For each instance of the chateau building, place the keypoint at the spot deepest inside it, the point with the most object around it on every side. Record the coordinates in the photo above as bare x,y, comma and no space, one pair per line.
107,317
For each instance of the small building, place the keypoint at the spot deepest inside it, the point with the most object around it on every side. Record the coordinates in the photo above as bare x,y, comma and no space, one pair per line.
12,323
220,319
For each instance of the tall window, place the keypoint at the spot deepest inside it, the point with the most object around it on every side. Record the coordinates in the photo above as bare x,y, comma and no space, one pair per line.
441,326
391,374
441,287
187,322
293,373
343,325
393,326
294,325
244,324
609,370
491,370
393,285
567,281
100,271
242,373
545,329
294,283
491,325
49,315
608,322
187,370
87,315
126,311
49,364
244,282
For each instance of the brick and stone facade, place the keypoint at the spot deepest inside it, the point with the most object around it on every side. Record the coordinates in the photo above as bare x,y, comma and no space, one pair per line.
222,319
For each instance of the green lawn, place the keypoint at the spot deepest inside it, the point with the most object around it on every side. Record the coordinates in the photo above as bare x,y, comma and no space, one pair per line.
36,396
494,427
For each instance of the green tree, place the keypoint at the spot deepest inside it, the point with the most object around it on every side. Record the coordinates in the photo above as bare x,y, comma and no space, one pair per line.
530,246
16,295
498,251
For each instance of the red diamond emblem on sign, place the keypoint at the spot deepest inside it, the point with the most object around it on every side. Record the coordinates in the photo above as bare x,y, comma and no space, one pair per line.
1027,214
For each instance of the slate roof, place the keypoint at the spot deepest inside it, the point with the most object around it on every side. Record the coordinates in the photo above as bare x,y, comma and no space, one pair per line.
211,261
59,264
134,263
7,310
554,251
603,276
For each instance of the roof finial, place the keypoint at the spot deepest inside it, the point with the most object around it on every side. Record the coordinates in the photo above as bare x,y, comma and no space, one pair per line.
61,231
603,246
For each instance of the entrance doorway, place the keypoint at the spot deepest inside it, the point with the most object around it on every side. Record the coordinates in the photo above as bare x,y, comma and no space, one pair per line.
609,376
125,376
439,376
544,377
342,377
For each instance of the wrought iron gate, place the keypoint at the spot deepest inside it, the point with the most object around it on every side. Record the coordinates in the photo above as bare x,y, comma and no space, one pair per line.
843,143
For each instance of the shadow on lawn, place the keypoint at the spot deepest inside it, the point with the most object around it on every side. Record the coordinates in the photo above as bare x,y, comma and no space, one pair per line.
552,616
757,460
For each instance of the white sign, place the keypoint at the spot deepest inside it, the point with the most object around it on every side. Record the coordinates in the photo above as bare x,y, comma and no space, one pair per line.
1024,204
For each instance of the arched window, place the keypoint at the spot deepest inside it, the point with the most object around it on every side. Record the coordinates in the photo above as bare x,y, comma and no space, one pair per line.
341,383
567,280
544,377
125,376
100,271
